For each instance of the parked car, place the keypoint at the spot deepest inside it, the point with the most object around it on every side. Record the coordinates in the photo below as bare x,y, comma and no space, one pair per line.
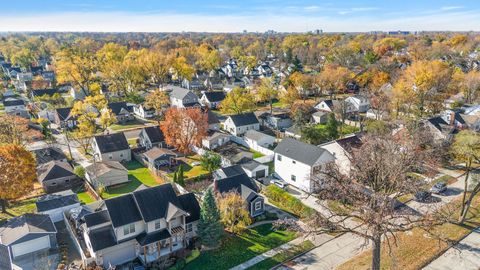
438,188
279,183
423,196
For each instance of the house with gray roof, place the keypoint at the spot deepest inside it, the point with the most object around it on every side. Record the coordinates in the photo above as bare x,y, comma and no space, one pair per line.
183,98
106,174
56,204
239,124
57,176
111,147
28,234
296,162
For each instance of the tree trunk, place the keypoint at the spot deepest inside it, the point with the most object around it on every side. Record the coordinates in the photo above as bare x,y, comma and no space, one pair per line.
3,202
465,187
376,252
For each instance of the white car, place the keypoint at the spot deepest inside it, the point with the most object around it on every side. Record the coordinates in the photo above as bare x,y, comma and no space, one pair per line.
280,183
195,163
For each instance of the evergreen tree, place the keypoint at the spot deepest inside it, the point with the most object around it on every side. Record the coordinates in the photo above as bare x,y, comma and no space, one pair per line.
332,127
175,177
180,177
210,228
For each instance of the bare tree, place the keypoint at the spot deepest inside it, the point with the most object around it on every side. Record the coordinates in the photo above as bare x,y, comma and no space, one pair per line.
379,175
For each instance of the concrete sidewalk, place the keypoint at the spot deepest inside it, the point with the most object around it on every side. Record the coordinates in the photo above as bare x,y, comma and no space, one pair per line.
463,256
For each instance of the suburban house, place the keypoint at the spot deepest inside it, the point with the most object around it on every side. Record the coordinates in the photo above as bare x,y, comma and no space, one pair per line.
327,105
215,139
320,117
213,83
6,259
78,93
239,124
159,157
213,122
212,99
341,150
234,179
28,234
15,106
233,153
194,84
64,118
106,173
143,112
48,154
357,104
182,98
123,112
376,114
55,204
296,162
111,147
255,169
278,121
57,176
446,124
150,137
42,92
257,140
147,224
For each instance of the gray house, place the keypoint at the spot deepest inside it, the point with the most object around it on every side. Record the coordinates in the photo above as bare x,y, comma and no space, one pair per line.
182,98
28,234
106,173
56,204
150,137
234,179
57,176
111,147
279,121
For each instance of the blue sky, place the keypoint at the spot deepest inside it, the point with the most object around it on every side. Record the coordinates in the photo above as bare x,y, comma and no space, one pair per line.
235,16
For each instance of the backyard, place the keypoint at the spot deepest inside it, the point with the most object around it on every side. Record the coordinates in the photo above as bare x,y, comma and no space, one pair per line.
138,175
238,249
127,125
190,171
18,208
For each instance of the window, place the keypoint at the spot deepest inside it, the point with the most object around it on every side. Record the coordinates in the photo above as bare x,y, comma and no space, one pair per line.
189,227
157,224
110,156
279,158
128,229
258,206
53,184
293,178
294,162
121,155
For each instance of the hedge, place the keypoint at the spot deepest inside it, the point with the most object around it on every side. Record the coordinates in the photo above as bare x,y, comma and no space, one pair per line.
287,202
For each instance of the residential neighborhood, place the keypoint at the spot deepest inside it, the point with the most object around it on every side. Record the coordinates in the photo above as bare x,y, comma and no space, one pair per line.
239,150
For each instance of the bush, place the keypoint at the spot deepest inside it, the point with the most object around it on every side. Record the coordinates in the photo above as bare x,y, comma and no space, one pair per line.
284,200
79,171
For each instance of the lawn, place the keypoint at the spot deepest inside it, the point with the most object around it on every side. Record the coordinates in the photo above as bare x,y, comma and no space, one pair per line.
18,208
85,197
416,248
127,125
238,249
256,154
190,171
285,201
342,129
283,256
138,175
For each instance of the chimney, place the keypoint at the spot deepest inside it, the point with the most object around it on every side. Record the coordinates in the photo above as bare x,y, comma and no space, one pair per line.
452,118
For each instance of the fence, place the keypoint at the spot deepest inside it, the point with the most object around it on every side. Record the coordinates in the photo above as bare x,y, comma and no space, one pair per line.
253,146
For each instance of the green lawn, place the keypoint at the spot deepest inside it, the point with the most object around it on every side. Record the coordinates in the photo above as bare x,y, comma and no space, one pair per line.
256,154
138,175
127,125
283,256
18,209
85,197
238,249
342,129
190,171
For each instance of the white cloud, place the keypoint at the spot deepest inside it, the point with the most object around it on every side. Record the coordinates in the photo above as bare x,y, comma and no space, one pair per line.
451,7
161,22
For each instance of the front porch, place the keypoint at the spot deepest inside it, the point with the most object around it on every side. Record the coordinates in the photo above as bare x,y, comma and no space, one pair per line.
151,251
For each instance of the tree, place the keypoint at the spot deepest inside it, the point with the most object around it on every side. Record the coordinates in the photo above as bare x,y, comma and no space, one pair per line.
301,114
184,128
233,211
180,176
79,171
332,127
210,230
334,79
267,91
238,101
210,161
466,148
470,85
15,130
378,176
18,175
208,57
157,100
313,135
290,96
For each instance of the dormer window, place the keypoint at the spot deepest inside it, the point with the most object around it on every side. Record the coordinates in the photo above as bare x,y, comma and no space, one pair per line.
157,224
129,229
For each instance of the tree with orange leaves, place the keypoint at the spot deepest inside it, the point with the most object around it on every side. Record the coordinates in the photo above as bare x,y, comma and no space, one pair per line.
184,128
18,173
15,130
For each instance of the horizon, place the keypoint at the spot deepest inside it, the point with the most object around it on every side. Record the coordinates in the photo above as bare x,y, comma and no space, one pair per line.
212,16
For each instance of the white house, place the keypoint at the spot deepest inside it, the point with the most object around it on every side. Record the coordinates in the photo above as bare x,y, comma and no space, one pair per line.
376,114
181,98
327,105
239,124
111,147
212,99
15,106
56,204
357,103
296,162
341,150
256,140
142,112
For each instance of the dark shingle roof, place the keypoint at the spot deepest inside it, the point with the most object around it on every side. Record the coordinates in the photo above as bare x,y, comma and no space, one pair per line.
117,107
41,92
234,183
63,113
145,239
299,151
153,202
56,200
216,96
350,142
112,142
123,210
154,134
5,259
13,102
244,119
437,122
18,227
97,218
54,170
48,154
190,204
102,238
212,118
230,171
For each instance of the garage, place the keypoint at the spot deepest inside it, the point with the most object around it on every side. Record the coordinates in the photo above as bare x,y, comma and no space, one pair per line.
260,174
56,204
119,254
31,246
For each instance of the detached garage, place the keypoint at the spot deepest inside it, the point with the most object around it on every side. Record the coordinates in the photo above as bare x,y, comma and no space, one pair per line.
255,169
56,204
28,234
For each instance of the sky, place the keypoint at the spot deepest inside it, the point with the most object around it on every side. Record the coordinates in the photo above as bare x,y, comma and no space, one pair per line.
236,16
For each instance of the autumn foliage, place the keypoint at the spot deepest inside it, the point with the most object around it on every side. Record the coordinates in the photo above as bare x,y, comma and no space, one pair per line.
184,128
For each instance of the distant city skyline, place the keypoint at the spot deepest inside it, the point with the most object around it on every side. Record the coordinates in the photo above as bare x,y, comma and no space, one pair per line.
250,15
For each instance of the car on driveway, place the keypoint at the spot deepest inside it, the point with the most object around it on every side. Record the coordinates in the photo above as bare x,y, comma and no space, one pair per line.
439,188
279,183
423,196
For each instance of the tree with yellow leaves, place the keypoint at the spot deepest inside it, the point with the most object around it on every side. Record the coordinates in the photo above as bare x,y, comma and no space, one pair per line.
233,212
333,79
18,168
238,101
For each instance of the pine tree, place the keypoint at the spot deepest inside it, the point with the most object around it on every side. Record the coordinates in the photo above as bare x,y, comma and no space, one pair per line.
210,229
180,177
332,127
175,177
